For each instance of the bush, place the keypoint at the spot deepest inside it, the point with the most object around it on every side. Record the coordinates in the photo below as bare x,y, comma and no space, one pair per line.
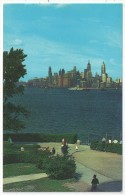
101,147
94,145
40,137
10,158
31,154
107,147
24,157
60,167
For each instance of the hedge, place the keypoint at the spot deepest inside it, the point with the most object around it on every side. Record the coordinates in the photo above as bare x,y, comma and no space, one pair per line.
40,137
31,154
24,157
107,147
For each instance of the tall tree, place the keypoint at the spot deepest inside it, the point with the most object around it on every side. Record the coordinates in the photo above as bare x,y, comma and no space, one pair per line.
13,70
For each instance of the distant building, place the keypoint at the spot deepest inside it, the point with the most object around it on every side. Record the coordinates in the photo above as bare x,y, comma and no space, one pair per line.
88,75
50,76
104,78
74,78
103,69
60,78
109,80
66,81
55,80
82,75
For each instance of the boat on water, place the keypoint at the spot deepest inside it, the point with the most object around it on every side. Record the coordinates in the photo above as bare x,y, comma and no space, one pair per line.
78,89
75,88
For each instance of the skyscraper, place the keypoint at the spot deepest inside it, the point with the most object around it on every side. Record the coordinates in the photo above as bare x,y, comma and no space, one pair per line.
103,73
50,75
103,69
89,66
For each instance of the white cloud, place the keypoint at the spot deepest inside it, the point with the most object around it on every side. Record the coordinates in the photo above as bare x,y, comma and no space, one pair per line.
43,53
15,42
113,38
60,5
18,42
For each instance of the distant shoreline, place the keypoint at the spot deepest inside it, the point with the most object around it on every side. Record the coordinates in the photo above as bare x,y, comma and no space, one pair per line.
73,87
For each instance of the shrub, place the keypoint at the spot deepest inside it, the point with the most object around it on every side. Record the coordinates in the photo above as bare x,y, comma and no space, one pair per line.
94,145
31,154
41,137
10,158
60,167
24,157
107,147
101,146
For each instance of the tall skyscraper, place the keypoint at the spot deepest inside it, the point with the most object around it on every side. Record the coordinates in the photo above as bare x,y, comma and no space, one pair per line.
103,69
89,66
50,75
103,73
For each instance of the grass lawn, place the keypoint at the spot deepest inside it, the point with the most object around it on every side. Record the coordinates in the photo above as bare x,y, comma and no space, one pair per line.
15,169
40,185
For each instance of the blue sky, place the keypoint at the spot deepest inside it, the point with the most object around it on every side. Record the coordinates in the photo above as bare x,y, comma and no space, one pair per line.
65,35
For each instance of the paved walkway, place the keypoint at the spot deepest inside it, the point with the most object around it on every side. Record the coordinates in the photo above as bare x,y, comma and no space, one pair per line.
107,184
83,174
24,178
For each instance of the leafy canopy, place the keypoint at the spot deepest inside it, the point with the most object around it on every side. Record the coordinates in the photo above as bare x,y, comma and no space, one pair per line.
13,70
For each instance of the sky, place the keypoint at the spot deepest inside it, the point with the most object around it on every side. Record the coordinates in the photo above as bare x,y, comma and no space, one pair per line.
64,36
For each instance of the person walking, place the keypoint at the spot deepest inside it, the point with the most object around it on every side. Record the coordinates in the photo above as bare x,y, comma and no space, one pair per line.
76,148
53,151
94,183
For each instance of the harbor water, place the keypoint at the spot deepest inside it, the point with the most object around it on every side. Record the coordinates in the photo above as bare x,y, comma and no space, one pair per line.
91,113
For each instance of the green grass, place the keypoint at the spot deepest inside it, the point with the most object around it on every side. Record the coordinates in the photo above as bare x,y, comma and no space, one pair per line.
40,185
19,169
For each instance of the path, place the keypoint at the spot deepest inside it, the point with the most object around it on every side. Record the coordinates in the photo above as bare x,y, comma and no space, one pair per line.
107,184
24,178
83,174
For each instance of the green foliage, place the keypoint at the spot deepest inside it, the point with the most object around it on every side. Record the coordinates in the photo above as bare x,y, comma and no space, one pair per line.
94,145
12,146
13,70
60,167
107,147
36,137
101,147
16,169
39,185
31,154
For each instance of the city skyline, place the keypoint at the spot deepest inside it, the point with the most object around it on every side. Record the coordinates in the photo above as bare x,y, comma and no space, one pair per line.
75,80
99,71
65,35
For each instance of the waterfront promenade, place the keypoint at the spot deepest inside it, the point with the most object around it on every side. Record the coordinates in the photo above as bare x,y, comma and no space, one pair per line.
107,167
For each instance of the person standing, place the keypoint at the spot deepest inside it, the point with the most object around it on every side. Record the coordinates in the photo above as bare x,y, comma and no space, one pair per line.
53,151
94,183
76,148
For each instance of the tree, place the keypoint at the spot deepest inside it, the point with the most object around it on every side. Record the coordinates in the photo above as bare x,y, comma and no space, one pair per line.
60,167
13,70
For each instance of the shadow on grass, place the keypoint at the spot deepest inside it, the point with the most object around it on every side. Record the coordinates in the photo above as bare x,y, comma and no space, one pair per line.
113,186
78,151
77,176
